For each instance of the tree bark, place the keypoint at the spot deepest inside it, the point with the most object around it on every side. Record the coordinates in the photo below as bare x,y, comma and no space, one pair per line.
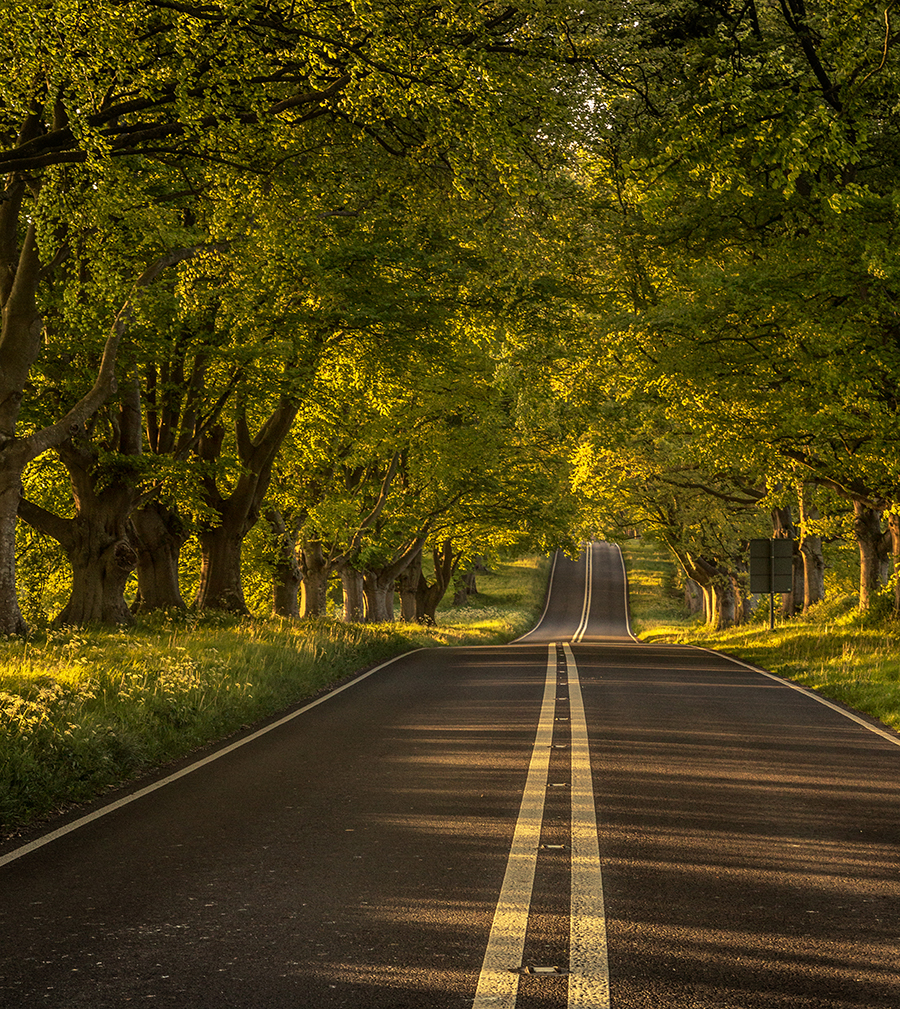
352,584
894,529
97,540
378,593
812,553
315,570
408,585
158,534
221,586
867,526
445,564
286,573
11,619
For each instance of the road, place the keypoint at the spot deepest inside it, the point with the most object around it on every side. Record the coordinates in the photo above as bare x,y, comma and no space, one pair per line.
574,820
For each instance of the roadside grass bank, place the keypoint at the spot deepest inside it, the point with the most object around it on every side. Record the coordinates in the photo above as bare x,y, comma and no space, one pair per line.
846,656
83,711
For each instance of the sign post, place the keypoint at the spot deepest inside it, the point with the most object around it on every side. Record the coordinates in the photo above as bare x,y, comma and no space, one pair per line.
771,570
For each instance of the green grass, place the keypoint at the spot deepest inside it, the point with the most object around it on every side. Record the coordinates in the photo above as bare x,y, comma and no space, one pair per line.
846,656
653,598
85,711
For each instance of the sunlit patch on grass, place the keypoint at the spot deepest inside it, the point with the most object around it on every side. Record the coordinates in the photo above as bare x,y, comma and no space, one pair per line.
82,711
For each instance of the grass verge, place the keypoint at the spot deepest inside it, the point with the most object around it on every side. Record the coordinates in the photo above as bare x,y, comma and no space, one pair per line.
85,711
846,656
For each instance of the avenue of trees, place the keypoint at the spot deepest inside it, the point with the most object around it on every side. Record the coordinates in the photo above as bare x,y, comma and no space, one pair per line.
267,263
744,207
366,283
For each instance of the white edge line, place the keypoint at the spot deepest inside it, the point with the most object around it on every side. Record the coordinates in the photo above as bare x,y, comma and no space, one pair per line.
627,609
890,737
141,792
528,634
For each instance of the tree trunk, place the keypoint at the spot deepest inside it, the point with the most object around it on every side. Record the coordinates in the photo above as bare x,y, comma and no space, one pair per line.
354,603
894,529
464,586
101,564
221,586
867,525
812,554
97,540
725,607
379,583
693,596
378,591
315,570
286,574
408,585
286,581
721,596
158,534
11,619
445,564
21,330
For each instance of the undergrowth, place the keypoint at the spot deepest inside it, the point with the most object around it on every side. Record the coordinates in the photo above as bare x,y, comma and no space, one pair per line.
83,711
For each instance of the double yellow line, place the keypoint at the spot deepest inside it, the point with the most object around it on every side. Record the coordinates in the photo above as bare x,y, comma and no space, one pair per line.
588,971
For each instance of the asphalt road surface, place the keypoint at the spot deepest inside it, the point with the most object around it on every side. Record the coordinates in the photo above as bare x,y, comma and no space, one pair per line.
574,820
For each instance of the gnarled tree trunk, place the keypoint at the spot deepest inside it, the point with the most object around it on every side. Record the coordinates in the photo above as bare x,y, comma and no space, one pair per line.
97,540
352,585
158,534
221,586
101,564
315,570
445,564
408,586
812,554
379,583
286,573
867,526
101,555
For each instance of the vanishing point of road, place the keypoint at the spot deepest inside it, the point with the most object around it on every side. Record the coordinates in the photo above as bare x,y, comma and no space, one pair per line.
573,820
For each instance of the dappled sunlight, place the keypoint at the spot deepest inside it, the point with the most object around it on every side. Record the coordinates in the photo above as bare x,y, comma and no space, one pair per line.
432,979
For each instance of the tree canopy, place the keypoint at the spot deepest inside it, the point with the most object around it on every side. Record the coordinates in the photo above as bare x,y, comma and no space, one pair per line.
408,277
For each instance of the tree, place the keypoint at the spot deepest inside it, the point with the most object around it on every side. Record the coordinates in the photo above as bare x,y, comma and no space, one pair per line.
742,166
106,94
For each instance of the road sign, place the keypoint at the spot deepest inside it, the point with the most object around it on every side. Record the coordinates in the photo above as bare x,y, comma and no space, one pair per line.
771,565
